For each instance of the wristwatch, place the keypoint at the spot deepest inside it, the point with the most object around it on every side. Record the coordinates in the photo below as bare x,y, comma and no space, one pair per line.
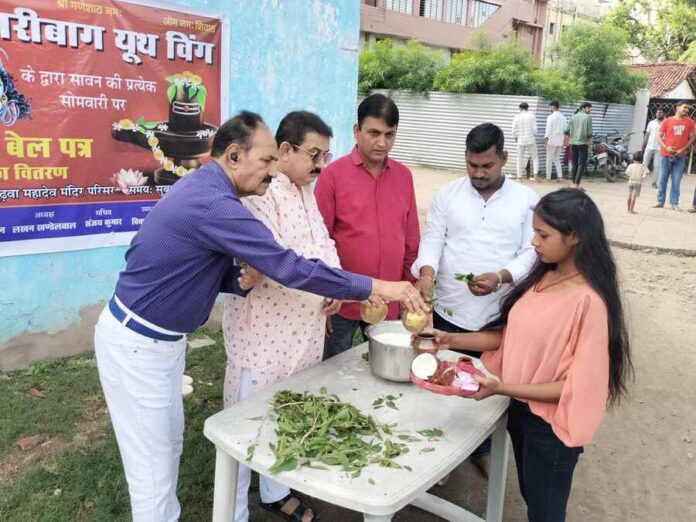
500,281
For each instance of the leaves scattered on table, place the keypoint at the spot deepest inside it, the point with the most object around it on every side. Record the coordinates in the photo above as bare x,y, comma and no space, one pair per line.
318,430
387,400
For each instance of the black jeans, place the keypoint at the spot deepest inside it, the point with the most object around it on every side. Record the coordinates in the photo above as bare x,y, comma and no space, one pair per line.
440,323
341,338
544,464
579,153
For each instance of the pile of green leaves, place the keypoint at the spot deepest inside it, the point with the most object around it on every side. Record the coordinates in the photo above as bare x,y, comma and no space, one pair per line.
319,430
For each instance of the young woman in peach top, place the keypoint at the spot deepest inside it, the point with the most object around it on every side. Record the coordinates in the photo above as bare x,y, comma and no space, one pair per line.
563,352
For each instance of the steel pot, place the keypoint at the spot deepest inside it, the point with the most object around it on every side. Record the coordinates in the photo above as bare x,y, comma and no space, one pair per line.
390,361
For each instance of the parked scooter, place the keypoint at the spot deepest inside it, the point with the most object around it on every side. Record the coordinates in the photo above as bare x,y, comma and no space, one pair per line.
618,158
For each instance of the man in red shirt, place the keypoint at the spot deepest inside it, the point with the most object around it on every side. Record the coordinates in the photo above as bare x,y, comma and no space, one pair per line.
368,204
675,137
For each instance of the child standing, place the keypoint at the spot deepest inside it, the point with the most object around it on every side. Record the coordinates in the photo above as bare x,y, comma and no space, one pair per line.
560,371
636,172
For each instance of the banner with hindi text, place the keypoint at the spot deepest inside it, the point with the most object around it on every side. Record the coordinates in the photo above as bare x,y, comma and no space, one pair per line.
104,105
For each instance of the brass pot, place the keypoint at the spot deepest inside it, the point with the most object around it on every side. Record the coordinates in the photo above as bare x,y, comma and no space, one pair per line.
373,314
414,322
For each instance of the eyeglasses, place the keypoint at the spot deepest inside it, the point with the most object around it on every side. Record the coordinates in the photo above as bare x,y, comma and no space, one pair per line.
317,155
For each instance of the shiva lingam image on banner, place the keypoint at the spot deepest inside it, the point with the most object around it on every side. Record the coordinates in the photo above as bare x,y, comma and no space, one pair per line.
179,143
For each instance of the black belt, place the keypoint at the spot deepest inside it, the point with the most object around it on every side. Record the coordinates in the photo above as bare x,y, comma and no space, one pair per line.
140,328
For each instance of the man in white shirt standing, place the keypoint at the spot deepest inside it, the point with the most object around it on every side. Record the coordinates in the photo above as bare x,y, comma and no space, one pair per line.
554,138
482,225
652,148
524,130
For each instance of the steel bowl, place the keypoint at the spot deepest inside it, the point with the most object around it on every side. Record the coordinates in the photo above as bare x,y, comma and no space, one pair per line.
389,361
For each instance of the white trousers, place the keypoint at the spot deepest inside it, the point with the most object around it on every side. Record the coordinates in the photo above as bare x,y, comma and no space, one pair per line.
553,157
141,379
271,491
522,151
653,154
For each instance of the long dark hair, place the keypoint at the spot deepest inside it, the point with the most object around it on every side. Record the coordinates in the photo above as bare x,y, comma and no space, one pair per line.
571,210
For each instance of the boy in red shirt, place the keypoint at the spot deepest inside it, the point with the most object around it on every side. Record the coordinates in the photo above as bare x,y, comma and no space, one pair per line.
675,137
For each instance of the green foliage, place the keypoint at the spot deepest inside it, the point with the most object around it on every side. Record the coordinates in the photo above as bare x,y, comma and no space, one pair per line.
553,84
689,56
660,29
593,56
409,67
505,69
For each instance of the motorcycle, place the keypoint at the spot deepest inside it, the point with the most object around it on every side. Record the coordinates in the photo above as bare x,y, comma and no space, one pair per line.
618,158
597,159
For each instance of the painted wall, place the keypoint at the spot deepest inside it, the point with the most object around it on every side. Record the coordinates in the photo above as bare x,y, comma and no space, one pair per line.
285,55
681,92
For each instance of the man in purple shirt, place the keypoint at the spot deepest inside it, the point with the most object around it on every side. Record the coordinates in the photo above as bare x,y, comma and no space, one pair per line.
178,262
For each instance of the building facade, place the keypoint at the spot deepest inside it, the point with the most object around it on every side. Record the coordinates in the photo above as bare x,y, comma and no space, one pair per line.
451,25
561,14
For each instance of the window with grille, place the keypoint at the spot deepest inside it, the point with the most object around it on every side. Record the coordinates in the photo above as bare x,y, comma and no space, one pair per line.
456,11
431,9
483,11
401,6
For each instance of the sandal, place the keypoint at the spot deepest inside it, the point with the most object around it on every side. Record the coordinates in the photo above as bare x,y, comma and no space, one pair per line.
291,508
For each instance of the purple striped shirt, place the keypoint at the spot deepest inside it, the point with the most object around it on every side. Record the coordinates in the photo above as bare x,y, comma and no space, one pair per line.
182,256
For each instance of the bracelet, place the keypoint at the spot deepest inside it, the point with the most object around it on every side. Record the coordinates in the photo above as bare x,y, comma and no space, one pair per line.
500,281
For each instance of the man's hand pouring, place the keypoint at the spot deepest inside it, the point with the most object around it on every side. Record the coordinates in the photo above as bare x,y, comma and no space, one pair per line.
410,298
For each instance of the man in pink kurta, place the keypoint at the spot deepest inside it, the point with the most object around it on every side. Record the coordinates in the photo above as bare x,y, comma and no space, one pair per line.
275,331
369,207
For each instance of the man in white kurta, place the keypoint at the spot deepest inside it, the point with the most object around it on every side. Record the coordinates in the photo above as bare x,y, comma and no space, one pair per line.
481,225
275,331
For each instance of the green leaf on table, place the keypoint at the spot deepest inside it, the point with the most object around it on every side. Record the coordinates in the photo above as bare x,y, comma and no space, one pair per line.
250,451
287,463
371,481
323,390
255,418
427,450
432,432
408,438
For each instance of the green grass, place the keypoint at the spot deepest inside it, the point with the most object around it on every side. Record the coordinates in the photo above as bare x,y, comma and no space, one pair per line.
91,482
67,383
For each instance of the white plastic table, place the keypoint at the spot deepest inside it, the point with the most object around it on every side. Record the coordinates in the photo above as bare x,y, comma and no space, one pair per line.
466,423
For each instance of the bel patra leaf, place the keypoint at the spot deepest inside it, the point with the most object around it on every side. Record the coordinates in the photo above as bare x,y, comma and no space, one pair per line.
284,464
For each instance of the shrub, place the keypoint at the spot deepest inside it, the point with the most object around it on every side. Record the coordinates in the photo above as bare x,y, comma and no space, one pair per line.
409,67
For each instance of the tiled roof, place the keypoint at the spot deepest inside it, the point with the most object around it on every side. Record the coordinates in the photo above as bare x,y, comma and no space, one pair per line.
665,76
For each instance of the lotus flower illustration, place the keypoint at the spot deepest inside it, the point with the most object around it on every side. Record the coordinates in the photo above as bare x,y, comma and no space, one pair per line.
124,179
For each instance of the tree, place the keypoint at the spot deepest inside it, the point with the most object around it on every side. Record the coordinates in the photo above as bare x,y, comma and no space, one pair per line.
593,55
409,67
504,69
690,55
659,29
